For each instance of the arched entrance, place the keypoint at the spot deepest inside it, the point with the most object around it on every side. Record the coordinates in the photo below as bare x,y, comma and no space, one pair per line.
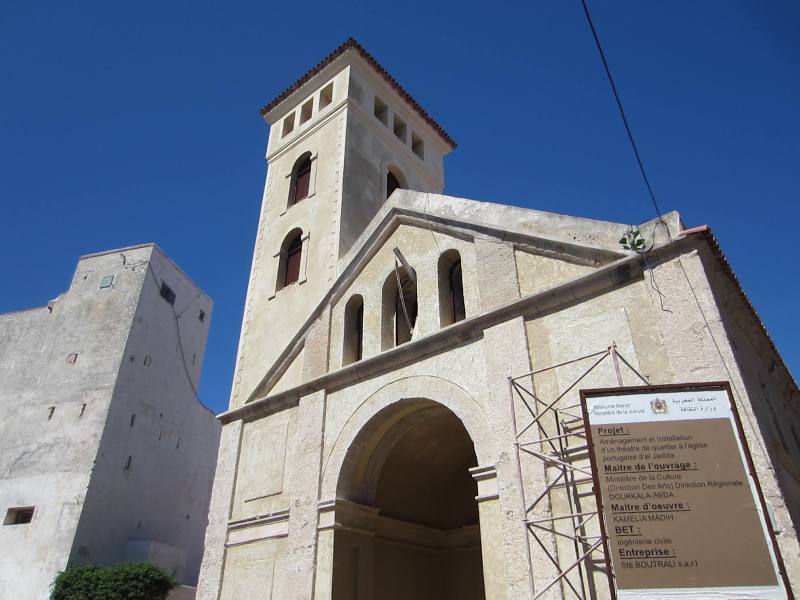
407,522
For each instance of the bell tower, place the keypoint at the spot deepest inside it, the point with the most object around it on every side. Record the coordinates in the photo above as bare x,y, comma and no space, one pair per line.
341,139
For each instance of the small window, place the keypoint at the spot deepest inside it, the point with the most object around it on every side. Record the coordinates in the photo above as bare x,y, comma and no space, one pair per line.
301,179
202,316
399,308
167,293
393,182
417,145
106,281
353,348
133,419
451,289
381,111
50,412
19,516
290,259
326,96
400,130
288,125
128,463
306,111
293,255
72,358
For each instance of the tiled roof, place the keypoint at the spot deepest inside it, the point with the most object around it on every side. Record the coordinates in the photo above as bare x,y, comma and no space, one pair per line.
351,43
716,250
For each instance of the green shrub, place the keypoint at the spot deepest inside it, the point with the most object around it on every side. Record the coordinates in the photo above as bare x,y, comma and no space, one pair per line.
124,581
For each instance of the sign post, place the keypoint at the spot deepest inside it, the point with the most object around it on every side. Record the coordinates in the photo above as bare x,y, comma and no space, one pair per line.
681,511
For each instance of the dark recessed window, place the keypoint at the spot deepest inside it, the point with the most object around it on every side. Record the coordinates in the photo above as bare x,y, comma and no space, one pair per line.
167,293
202,316
451,289
353,330
301,179
293,254
393,182
19,516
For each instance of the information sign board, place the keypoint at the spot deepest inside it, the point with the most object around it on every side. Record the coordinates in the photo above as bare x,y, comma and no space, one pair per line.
682,515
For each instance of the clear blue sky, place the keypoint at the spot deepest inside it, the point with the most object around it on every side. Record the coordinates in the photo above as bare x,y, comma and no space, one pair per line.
123,123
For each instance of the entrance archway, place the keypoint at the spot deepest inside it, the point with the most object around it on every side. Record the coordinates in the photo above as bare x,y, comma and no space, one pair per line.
407,523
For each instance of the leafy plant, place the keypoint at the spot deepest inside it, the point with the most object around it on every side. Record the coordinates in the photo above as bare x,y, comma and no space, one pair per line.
123,581
633,240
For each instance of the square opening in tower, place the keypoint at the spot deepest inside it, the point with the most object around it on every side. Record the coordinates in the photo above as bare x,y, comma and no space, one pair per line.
19,515
306,111
381,111
326,96
417,145
288,125
400,129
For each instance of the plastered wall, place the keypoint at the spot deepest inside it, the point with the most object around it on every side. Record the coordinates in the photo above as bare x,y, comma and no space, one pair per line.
152,479
65,360
86,383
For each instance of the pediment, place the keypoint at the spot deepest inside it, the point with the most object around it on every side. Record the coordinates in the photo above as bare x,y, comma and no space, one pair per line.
549,249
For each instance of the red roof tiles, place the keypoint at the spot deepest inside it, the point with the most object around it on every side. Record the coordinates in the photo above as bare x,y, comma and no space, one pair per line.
351,43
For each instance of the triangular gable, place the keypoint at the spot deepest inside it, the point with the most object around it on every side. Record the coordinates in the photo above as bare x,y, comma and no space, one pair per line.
583,243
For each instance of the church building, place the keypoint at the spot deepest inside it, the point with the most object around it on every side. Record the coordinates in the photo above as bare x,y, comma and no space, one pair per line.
405,415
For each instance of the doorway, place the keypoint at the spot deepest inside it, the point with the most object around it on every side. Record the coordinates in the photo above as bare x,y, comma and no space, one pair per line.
407,523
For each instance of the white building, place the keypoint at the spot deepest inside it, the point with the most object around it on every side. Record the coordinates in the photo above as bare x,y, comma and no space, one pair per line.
106,455
372,447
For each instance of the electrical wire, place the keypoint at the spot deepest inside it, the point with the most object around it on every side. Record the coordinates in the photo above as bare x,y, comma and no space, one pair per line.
753,427
622,113
402,297
176,316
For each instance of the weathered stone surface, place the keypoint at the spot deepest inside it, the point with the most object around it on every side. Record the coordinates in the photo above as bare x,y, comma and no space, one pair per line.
549,299
103,434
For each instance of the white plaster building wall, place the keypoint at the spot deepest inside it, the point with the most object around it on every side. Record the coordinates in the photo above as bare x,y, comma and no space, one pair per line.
674,344
422,253
372,148
260,486
769,385
159,496
667,345
466,372
351,152
624,316
45,462
272,316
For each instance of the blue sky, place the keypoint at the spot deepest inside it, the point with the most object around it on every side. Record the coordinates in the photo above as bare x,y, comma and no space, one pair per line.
123,123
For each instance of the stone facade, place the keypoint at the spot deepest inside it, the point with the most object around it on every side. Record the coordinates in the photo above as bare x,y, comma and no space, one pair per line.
391,470
102,434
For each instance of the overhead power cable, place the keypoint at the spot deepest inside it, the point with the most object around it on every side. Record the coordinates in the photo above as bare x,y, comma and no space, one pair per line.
622,111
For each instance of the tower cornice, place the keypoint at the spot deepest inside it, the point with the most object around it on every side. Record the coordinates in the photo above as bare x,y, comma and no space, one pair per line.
352,45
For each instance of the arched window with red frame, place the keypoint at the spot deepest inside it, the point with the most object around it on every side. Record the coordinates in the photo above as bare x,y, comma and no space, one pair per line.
291,259
301,179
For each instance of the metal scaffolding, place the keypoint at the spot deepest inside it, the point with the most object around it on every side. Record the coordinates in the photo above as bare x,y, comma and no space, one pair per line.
552,435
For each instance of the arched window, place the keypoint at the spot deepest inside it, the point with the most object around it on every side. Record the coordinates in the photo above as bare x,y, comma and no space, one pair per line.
353,348
399,310
451,289
301,179
394,180
290,261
